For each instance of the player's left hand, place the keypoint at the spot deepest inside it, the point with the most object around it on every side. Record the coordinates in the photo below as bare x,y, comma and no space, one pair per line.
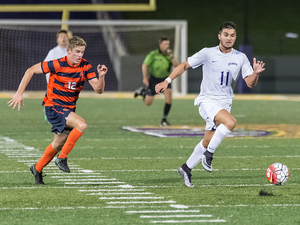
102,70
16,100
258,66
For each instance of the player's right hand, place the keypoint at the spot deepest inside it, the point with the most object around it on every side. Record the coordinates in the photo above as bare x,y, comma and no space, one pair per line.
16,100
146,82
161,87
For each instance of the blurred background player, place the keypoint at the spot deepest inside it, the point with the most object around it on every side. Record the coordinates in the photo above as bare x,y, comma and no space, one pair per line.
67,76
60,50
221,66
159,62
57,52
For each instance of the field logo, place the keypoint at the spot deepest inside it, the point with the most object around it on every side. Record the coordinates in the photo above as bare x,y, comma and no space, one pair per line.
185,131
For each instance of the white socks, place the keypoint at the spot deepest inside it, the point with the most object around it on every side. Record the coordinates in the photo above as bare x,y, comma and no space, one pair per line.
196,156
217,138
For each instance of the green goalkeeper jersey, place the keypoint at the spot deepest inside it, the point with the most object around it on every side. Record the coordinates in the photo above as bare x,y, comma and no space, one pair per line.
159,65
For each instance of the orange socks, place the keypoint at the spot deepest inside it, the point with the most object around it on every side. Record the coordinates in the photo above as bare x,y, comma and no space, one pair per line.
50,152
70,143
46,158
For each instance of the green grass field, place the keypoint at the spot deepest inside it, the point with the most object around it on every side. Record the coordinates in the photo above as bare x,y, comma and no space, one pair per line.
122,177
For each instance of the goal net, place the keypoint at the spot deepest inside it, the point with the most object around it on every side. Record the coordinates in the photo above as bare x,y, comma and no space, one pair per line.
121,45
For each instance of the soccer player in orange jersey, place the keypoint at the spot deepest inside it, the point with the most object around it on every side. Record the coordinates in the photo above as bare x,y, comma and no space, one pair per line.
67,76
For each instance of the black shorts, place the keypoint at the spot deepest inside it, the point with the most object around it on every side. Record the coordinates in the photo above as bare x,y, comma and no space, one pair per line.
56,115
150,90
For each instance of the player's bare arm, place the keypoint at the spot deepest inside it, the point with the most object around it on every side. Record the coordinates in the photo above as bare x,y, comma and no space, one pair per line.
258,67
18,97
99,84
161,87
145,76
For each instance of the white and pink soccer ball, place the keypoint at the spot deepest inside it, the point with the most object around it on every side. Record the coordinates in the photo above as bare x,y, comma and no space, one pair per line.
277,174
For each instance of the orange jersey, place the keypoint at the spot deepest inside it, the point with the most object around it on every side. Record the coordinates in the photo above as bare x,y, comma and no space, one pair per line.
66,81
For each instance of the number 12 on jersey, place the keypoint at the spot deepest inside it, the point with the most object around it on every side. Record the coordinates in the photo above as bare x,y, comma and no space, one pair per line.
72,85
223,80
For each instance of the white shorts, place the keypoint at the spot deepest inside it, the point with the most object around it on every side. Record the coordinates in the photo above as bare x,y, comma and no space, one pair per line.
208,109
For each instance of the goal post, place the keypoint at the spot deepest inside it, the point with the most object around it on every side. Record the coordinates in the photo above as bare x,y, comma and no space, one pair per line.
122,45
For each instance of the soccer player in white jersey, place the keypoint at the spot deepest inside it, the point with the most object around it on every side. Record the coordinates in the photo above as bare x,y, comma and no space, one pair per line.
221,66
57,52
60,50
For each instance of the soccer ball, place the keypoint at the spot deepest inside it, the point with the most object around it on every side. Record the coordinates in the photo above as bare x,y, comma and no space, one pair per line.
277,174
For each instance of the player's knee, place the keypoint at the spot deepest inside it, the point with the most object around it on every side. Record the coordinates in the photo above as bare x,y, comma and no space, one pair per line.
231,123
148,102
82,126
169,101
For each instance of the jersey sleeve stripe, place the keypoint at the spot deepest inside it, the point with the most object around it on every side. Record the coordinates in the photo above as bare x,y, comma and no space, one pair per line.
51,67
56,65
45,67
90,76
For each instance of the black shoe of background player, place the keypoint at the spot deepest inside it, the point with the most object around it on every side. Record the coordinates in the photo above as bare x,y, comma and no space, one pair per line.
140,91
164,123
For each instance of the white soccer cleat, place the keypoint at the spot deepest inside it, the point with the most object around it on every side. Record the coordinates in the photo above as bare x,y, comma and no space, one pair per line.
186,177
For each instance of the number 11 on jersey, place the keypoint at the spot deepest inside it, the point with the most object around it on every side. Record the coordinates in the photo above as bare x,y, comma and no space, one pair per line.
222,78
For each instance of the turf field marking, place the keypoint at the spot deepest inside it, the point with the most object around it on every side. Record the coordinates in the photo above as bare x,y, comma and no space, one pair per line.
111,190
175,170
76,176
147,211
135,198
268,205
171,216
188,221
84,179
74,173
113,182
143,202
75,179
122,193
164,211
51,208
177,206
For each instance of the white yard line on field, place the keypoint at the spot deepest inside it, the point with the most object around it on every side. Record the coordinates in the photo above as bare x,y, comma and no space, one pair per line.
122,193
164,211
176,216
126,189
188,221
143,202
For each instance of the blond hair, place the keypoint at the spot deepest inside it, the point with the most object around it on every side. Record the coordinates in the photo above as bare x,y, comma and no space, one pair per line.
75,41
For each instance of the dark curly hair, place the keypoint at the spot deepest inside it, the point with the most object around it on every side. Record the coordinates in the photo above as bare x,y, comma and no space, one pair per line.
227,25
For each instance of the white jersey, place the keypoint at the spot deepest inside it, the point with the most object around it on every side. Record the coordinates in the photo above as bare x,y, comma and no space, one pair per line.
219,71
55,53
